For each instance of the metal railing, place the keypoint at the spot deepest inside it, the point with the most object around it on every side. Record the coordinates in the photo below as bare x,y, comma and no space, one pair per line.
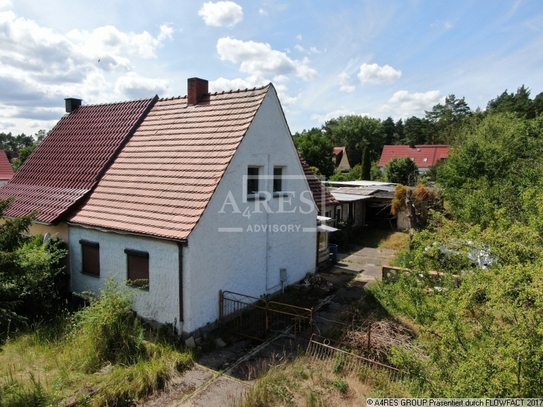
381,376
257,318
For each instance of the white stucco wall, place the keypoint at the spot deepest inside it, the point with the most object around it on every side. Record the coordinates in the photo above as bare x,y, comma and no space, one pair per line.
161,301
230,251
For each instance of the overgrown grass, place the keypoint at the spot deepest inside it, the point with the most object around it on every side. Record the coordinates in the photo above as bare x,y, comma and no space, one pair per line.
310,382
98,357
349,238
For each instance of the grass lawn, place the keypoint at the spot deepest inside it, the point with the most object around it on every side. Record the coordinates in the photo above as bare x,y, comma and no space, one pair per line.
98,356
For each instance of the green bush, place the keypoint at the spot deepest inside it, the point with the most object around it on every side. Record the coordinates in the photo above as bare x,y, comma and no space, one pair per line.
108,331
32,273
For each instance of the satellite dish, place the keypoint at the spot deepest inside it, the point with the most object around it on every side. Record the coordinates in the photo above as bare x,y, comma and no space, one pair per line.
46,238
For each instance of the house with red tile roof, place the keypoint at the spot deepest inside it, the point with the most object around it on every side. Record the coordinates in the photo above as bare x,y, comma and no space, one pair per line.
425,156
183,197
6,172
341,160
68,163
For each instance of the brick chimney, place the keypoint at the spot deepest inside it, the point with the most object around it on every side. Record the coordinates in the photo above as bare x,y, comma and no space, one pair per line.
72,104
196,88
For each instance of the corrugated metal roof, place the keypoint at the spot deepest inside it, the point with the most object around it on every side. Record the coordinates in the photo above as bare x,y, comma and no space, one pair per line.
349,197
164,177
70,160
424,155
6,172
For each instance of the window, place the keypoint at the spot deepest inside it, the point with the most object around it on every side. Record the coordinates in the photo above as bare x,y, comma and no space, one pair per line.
323,241
252,180
137,265
90,258
277,179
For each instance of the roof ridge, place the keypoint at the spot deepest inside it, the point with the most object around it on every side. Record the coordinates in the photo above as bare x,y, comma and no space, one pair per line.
223,92
119,102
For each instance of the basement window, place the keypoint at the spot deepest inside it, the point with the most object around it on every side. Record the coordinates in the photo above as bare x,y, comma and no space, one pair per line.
137,266
90,258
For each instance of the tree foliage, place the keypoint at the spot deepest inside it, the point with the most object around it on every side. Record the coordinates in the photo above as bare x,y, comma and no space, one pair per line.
19,148
401,170
518,103
481,338
317,150
484,337
355,133
492,166
31,272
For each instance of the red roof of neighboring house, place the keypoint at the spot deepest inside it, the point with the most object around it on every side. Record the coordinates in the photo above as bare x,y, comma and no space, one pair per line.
424,155
6,172
320,193
339,150
71,159
164,177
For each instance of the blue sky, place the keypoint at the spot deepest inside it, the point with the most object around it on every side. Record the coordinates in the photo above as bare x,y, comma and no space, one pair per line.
378,58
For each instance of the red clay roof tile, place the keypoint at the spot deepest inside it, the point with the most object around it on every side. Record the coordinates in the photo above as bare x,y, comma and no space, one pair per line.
321,195
164,177
424,155
6,172
67,164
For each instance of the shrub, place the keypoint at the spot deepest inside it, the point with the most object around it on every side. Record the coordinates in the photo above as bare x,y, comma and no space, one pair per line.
32,274
108,332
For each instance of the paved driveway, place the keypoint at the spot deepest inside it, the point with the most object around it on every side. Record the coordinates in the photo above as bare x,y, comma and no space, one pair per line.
365,263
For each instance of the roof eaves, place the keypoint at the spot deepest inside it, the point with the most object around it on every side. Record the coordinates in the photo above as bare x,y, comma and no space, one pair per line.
126,232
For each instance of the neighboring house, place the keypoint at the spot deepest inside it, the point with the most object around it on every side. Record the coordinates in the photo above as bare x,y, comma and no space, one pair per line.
202,193
425,156
6,172
69,162
341,161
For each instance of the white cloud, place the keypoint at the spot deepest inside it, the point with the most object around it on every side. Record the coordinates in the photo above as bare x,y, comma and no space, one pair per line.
405,104
262,12
40,67
284,97
6,4
222,13
312,50
223,84
108,40
322,118
305,72
344,80
135,86
280,79
259,59
373,73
